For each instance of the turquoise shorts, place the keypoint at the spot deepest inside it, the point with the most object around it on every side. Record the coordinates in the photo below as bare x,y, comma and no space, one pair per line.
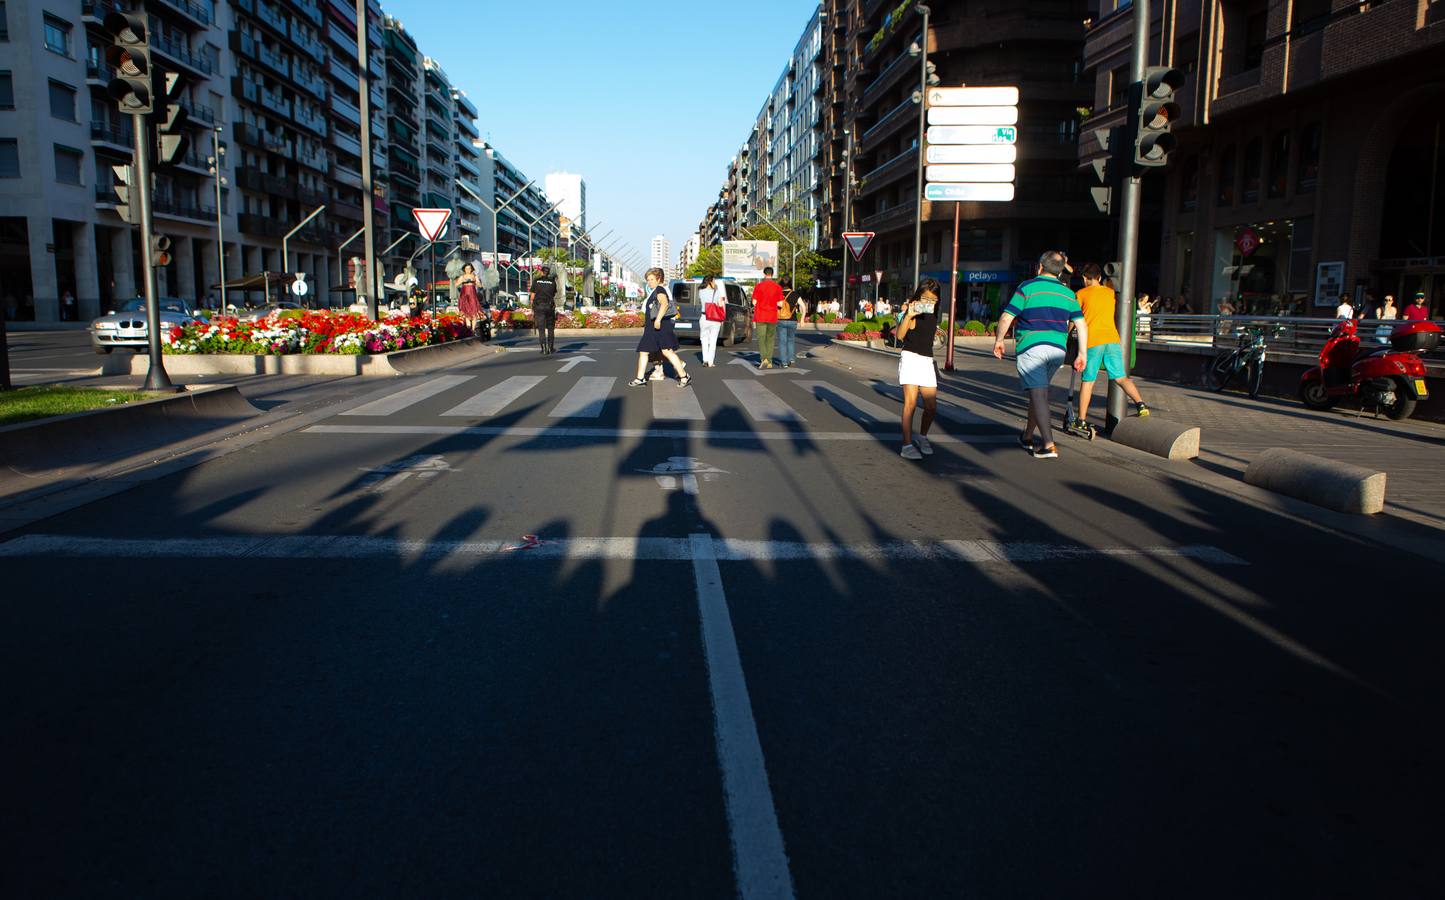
1111,356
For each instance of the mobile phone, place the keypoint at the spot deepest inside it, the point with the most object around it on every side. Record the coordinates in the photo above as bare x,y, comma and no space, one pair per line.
923,307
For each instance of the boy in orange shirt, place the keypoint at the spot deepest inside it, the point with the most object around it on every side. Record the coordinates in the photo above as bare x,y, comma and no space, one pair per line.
1105,349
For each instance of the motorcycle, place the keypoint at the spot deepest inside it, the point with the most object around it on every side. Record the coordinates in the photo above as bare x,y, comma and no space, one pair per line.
1391,378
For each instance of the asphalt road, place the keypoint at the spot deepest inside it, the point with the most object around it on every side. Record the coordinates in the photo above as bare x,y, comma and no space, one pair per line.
41,357
511,630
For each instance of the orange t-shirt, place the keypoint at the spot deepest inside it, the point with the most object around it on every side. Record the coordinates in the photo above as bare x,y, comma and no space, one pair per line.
1098,303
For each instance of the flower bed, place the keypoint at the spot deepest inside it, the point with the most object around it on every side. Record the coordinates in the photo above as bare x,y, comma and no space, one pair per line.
599,319
315,331
860,336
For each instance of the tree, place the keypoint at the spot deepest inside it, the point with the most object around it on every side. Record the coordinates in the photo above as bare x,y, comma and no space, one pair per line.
708,262
794,234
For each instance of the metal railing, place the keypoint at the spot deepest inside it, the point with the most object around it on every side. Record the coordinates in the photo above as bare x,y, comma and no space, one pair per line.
1297,334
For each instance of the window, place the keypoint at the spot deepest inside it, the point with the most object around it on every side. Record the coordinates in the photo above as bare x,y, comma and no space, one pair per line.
4,22
1308,170
1189,183
9,158
62,101
57,35
1279,164
67,165
1254,29
1228,167
1118,87
1253,153
7,91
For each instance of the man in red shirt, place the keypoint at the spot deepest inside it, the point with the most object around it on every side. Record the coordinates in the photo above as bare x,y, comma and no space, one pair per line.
767,294
1418,311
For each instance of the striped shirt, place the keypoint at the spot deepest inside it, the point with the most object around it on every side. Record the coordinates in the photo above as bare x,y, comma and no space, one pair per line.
1042,308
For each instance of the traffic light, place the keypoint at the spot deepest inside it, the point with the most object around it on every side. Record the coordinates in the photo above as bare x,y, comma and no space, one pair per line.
171,141
1109,168
130,56
124,184
1113,272
160,250
1152,112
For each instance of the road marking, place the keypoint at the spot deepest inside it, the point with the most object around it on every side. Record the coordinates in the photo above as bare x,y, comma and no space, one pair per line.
383,478
760,372
672,402
574,362
760,861
947,409
850,405
684,469
306,546
586,399
496,398
409,396
565,431
761,404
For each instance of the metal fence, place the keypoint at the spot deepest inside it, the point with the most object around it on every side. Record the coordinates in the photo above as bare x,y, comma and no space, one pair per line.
1288,334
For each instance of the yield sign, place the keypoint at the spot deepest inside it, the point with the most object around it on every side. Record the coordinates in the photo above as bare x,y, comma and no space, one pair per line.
430,222
858,242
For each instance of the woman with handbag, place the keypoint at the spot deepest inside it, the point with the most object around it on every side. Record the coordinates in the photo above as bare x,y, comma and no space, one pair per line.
714,313
658,335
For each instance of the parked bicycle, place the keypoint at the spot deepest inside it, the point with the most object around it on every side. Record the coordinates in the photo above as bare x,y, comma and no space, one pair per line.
1247,359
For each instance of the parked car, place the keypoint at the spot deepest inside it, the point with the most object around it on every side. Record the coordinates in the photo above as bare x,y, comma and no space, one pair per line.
126,327
737,328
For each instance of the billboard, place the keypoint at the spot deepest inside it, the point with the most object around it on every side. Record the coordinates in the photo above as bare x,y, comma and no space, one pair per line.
745,260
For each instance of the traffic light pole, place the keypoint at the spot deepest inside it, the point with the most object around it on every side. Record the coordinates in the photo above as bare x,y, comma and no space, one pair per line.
156,377
1129,230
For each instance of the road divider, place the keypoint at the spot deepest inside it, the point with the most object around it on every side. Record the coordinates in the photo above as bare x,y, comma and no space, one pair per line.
1161,437
1324,482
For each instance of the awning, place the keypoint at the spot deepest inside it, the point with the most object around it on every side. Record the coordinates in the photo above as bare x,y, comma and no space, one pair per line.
258,282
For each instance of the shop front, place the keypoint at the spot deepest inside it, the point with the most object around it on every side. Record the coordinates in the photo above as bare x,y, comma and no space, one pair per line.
1265,268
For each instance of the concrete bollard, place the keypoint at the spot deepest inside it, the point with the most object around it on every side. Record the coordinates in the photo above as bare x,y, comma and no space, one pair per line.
1160,437
1323,482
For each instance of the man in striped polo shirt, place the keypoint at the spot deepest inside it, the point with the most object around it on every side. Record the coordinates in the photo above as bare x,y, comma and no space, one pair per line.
1041,310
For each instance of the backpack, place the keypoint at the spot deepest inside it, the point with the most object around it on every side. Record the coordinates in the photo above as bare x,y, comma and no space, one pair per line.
785,309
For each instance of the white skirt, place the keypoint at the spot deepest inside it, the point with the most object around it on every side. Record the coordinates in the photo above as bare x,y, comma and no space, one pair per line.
916,369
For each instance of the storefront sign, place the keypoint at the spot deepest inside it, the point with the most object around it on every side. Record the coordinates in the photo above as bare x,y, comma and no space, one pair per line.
983,276
1329,282
1247,242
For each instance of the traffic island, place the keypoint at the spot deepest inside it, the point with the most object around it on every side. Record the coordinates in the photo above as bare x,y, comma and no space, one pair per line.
1323,482
1157,436
397,362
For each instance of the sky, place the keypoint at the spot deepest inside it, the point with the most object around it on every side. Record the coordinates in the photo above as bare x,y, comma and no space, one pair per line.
648,100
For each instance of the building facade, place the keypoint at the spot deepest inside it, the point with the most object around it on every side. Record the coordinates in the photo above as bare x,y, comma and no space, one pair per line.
569,191
661,254
688,253
1309,159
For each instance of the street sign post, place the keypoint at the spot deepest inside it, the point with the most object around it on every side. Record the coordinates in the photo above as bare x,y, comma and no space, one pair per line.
431,222
299,286
858,242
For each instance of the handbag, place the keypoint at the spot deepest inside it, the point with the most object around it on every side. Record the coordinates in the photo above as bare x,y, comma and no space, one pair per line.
715,311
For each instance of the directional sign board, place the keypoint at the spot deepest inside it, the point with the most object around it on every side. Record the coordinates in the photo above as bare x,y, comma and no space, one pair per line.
973,96
966,173
431,222
973,134
973,153
971,143
973,115
969,193
858,242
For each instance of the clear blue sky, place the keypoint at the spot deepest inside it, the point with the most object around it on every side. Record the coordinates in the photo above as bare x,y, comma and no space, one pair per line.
646,99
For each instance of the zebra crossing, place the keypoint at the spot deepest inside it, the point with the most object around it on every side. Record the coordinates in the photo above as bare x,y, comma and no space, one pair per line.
567,404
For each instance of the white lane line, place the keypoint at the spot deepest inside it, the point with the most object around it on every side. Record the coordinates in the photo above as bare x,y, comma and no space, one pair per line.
947,409
408,396
760,861
672,402
586,399
850,405
567,431
629,548
761,404
497,397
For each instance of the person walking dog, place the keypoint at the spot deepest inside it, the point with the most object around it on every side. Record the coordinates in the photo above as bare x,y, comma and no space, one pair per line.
658,335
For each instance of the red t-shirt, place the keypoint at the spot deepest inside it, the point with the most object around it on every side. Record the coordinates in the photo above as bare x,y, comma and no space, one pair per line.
1420,313
767,294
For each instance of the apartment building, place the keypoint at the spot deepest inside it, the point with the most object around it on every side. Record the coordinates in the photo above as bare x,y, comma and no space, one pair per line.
1309,159
688,253
529,212
791,174
661,254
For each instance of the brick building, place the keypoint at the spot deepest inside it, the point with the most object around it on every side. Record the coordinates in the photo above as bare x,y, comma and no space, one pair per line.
1309,158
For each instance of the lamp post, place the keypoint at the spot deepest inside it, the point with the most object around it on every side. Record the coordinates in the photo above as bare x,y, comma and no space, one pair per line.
213,162
793,270
847,209
922,124
496,251
368,211
286,240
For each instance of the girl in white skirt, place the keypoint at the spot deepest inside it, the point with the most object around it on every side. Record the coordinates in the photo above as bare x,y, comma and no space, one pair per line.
916,372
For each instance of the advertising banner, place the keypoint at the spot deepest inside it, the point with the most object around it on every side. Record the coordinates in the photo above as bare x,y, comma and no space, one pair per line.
745,260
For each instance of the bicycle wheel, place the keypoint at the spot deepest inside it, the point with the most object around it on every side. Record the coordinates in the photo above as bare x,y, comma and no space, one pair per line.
1256,376
1223,369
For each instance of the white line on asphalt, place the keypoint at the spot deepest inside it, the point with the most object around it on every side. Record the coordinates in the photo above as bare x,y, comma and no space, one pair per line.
947,409
627,548
496,398
562,431
586,399
409,396
761,404
672,402
760,862
850,405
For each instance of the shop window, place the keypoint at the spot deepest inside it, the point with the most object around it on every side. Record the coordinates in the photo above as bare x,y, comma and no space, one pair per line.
1307,171
1253,159
1228,166
1189,183
1279,164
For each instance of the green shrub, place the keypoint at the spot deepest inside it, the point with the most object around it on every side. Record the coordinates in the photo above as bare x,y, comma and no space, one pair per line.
973,326
291,314
855,328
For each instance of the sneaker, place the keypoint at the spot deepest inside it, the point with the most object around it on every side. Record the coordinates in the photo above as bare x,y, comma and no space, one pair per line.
1142,409
637,382
1026,442
910,451
1046,453
925,446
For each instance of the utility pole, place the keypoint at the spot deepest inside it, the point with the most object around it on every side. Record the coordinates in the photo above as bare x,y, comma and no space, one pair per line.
847,209
922,126
217,154
156,377
1129,228
368,216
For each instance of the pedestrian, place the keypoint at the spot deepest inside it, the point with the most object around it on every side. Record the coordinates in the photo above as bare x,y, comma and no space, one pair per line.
1387,310
468,303
1345,310
766,297
883,310
714,313
544,308
1417,311
1226,308
67,307
658,335
1105,349
790,312
917,374
1042,307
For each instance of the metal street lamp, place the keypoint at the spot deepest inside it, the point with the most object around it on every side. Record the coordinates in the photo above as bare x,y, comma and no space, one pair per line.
496,250
793,269
921,99
213,162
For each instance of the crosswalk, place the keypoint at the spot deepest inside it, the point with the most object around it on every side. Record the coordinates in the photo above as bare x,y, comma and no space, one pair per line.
572,404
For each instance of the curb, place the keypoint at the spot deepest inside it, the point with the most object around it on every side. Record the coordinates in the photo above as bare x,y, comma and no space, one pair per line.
1323,482
395,363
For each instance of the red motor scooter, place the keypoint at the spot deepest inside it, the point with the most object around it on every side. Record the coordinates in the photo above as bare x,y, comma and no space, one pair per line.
1390,378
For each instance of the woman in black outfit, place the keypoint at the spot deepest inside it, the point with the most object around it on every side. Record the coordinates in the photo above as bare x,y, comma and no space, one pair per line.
657,331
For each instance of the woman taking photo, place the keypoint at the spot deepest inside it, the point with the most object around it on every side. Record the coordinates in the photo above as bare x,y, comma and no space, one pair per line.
714,313
916,373
657,331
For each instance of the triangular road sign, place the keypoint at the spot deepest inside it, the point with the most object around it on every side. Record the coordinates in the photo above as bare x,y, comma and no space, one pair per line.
858,242
430,222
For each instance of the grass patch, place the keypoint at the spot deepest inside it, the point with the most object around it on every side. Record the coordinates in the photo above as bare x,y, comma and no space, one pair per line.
42,401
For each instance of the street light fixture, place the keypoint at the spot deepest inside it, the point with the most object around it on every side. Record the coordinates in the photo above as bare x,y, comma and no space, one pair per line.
921,99
793,268
213,162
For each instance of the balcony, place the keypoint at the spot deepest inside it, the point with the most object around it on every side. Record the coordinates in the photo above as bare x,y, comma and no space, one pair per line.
346,175
263,226
271,16
318,161
310,82
116,134
343,74
265,183
889,171
178,51
468,166
343,109
193,11
438,128
346,143
893,119
309,9
309,198
178,209
313,121
340,209
341,39
886,78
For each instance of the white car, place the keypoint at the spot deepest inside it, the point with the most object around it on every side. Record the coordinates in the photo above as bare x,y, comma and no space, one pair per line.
126,327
